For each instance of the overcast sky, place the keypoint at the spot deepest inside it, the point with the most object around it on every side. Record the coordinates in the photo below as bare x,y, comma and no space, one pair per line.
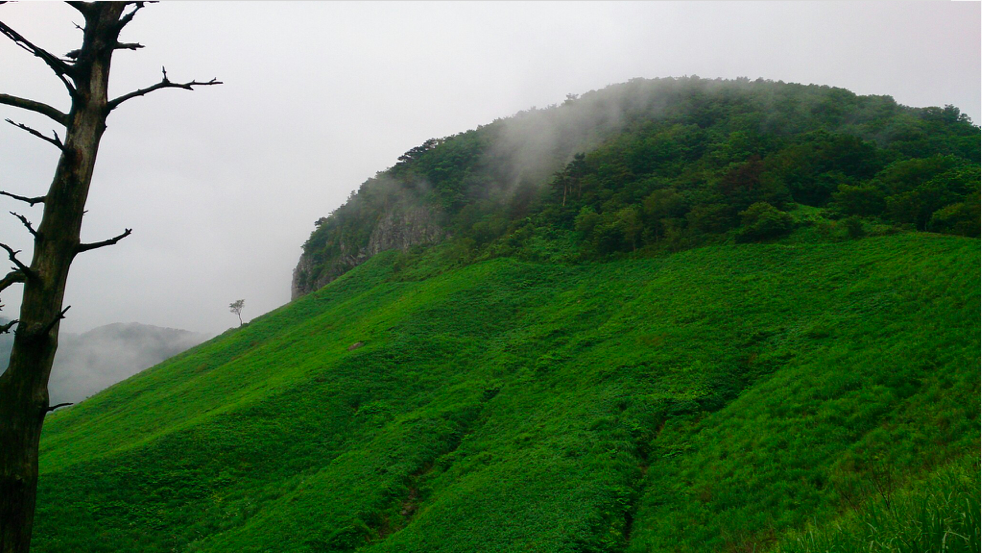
222,185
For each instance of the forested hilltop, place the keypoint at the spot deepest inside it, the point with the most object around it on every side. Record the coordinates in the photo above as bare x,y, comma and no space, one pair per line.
664,165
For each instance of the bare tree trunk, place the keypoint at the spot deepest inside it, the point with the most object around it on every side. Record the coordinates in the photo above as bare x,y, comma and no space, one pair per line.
24,385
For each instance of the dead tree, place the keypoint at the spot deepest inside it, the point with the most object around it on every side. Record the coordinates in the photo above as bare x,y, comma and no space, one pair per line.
24,385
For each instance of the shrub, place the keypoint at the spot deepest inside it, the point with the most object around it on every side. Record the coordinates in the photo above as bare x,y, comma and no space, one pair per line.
864,200
854,227
762,221
961,218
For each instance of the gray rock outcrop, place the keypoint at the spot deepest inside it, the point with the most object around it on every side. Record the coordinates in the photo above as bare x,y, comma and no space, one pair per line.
397,229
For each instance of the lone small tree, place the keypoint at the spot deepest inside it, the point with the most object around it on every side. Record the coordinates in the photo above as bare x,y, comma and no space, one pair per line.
24,385
236,307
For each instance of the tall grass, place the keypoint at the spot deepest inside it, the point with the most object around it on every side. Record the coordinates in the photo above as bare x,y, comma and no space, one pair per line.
709,401
939,514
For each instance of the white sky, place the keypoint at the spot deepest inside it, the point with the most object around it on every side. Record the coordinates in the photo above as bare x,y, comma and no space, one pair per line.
222,185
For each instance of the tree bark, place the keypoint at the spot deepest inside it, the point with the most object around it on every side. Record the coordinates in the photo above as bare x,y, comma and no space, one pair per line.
24,386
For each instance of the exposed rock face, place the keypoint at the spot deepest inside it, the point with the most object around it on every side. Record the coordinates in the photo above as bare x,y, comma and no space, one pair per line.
308,276
399,228
404,229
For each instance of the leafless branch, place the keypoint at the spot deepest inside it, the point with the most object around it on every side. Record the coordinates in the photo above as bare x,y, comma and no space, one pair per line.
36,107
86,247
56,141
47,328
13,277
124,21
25,199
53,407
5,328
30,227
13,257
127,46
164,83
82,7
61,68
35,333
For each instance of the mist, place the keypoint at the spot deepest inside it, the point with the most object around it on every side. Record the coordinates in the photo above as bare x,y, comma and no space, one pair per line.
91,362
222,186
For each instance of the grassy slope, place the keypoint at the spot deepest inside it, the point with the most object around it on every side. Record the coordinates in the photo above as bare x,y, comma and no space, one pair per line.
937,513
711,400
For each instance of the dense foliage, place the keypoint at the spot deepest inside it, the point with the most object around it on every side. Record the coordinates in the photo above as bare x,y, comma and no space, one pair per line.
726,398
668,164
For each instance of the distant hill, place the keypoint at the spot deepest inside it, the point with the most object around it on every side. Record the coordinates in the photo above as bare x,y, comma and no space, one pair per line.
90,362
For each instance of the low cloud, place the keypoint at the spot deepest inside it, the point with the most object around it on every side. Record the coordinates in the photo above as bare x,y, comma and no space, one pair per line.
88,363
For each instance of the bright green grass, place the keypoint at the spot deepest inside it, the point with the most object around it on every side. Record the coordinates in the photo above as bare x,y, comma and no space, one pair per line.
714,400
940,513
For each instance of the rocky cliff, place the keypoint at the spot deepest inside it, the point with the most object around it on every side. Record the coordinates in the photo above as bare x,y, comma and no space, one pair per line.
398,228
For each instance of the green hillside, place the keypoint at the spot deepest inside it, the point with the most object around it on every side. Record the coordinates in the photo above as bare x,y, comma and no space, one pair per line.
672,315
663,165
731,397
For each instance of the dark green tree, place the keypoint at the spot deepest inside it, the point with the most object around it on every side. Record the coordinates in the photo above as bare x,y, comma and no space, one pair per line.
761,221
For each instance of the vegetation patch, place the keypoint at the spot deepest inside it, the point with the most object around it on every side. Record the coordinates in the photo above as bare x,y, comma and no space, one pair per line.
725,398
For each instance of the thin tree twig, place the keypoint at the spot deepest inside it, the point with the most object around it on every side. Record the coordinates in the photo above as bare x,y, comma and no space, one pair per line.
12,253
37,107
13,277
56,140
164,83
61,68
5,328
86,247
32,201
30,227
